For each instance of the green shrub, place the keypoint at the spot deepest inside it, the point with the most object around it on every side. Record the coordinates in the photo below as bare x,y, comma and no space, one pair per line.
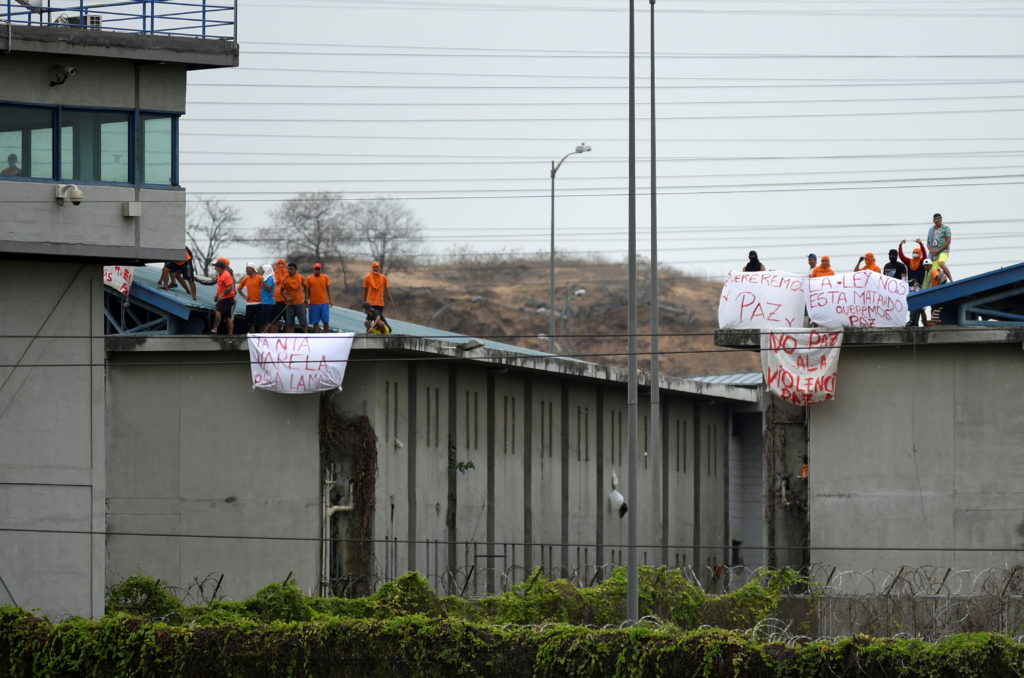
279,602
143,596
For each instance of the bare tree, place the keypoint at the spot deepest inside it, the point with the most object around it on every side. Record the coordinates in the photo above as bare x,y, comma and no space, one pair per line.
387,231
208,225
313,225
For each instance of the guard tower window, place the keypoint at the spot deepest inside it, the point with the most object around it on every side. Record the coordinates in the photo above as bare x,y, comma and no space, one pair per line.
70,144
156,150
94,146
27,134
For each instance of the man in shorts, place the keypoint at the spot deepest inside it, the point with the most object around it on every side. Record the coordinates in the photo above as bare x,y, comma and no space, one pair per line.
375,288
938,241
296,295
181,271
225,298
251,289
319,286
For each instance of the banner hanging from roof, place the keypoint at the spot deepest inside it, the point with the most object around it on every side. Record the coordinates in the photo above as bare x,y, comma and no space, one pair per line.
751,301
800,365
299,363
118,277
860,299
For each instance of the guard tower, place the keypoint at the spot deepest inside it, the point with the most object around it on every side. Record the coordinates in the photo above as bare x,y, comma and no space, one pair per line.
91,93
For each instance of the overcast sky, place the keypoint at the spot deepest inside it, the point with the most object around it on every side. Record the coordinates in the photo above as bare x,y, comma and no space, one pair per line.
832,126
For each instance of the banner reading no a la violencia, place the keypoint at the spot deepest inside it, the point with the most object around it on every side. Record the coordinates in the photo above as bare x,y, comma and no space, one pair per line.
800,365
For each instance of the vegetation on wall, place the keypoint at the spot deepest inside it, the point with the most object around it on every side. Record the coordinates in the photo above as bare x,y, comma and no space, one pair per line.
534,630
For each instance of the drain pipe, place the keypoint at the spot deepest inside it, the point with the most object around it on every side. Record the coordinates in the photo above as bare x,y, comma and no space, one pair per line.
326,547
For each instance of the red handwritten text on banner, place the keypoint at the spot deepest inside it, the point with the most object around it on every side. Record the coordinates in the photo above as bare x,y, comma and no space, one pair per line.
118,277
296,363
861,299
800,365
761,299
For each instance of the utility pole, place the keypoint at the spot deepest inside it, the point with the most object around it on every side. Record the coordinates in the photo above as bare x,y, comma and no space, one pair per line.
632,561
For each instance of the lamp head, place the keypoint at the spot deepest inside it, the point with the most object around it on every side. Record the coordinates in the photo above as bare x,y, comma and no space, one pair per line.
582,148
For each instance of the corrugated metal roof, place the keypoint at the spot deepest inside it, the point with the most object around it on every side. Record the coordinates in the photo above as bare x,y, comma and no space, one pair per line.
342,319
744,379
965,288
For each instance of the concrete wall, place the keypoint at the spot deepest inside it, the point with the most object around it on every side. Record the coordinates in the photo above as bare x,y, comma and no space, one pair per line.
195,450
525,479
921,448
746,502
33,221
52,454
98,83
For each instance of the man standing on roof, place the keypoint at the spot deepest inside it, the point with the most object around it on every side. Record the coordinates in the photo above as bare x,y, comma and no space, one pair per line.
939,239
280,272
375,288
869,263
916,271
319,286
824,268
267,308
894,268
251,289
225,297
296,296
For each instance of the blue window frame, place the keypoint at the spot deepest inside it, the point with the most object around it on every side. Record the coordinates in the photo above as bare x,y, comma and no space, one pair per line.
89,145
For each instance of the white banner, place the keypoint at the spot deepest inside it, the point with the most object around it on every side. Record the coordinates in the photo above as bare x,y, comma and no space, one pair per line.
861,299
752,301
299,363
800,365
118,277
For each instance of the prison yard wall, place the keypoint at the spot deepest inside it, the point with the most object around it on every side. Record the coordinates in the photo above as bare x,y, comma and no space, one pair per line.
195,451
53,450
915,463
483,473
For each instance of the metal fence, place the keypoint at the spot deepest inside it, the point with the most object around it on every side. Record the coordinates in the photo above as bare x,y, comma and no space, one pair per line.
192,18
922,602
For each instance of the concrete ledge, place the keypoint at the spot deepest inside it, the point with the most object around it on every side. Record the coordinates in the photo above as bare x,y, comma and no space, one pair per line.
73,41
427,349
893,336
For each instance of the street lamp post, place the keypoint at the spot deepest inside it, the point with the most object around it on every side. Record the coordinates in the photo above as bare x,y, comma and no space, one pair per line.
582,148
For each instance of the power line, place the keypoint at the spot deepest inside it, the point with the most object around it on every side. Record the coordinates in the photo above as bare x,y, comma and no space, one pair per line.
577,119
535,544
574,180
533,104
326,86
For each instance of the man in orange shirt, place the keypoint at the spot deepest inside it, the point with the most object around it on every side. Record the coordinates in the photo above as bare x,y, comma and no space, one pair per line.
280,271
824,268
869,263
251,289
319,286
375,288
225,297
296,296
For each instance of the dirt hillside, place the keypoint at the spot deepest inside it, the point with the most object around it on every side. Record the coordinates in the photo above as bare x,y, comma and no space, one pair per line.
505,298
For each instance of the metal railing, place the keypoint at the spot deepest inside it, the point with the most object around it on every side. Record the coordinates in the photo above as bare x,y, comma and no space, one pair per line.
191,18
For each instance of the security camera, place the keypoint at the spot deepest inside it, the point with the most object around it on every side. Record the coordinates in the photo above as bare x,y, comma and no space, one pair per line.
61,74
69,192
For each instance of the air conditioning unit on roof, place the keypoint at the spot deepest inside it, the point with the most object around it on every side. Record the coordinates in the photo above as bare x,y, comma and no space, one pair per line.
86,21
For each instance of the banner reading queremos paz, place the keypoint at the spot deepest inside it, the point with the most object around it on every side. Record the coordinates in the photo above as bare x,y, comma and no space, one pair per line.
751,301
861,299
299,363
800,365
